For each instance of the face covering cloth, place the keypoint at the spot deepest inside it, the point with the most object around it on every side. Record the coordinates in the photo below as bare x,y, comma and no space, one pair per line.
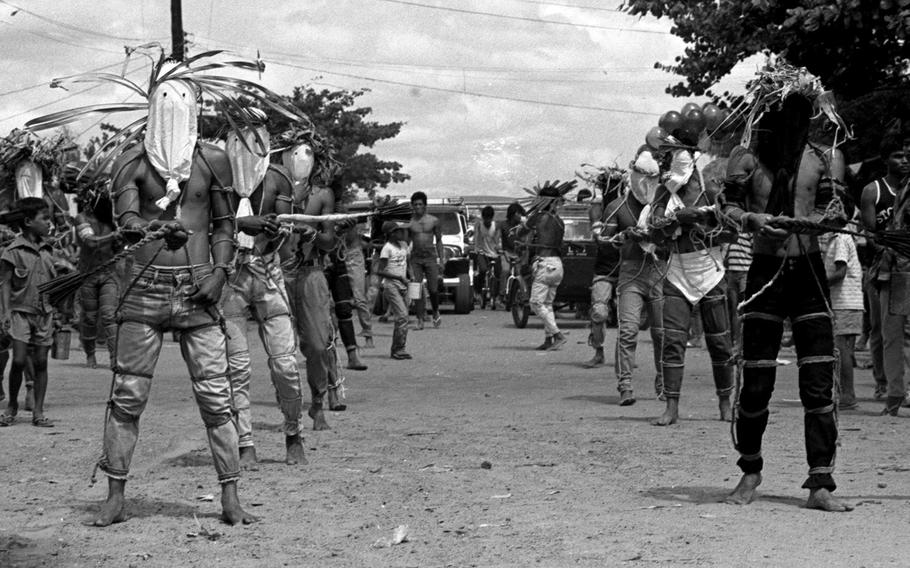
170,137
29,180
249,169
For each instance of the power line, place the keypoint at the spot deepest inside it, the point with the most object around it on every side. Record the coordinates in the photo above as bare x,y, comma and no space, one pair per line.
523,18
438,66
69,26
47,82
465,92
58,40
69,96
595,8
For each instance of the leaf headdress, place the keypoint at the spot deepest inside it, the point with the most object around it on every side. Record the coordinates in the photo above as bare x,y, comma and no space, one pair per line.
196,71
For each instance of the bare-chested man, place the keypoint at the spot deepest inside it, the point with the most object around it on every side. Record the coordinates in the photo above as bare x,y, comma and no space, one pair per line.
256,288
426,255
784,178
179,291
308,290
100,292
640,271
694,278
547,230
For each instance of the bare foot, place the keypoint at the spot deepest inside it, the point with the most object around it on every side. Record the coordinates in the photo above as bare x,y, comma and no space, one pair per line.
670,415
318,417
294,446
231,511
726,409
745,489
248,460
113,509
823,500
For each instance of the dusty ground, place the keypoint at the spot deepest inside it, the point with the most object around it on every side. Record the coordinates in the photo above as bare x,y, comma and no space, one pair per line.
575,479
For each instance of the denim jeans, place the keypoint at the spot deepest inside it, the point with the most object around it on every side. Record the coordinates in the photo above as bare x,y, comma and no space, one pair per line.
677,318
311,304
256,289
799,292
396,297
98,298
639,286
736,288
895,332
601,290
547,272
357,272
157,302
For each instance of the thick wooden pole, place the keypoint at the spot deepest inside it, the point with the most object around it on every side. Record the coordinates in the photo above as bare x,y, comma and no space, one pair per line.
178,47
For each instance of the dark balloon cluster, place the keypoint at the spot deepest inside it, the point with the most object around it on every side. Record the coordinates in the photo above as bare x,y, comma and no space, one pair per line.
686,126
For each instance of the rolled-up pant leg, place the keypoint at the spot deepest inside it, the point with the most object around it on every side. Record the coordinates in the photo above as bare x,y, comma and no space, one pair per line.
547,277
138,347
677,315
716,324
238,353
203,351
276,330
601,290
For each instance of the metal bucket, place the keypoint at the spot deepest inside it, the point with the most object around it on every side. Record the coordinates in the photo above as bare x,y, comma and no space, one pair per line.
62,340
414,290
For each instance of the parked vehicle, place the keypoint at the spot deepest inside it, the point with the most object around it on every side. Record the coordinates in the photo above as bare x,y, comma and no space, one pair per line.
578,255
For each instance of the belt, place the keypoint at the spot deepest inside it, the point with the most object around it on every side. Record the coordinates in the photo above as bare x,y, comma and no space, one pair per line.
173,274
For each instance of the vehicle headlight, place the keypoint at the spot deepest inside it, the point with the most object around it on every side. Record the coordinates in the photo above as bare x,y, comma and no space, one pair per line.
450,252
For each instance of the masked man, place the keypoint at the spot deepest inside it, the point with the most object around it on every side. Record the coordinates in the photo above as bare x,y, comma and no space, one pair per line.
100,293
695,277
303,265
640,271
256,288
782,178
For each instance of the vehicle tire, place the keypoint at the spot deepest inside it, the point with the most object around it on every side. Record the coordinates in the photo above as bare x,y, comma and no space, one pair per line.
464,295
519,301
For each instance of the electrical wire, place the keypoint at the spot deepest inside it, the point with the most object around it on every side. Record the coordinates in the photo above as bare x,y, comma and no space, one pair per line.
48,81
58,40
69,26
522,18
544,3
465,92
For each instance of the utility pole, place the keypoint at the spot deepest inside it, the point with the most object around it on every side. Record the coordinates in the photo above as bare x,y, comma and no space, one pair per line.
178,45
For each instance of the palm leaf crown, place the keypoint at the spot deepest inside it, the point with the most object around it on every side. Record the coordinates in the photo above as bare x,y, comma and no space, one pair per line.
196,71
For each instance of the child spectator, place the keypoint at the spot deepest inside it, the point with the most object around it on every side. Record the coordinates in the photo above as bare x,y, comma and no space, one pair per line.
393,268
26,315
844,275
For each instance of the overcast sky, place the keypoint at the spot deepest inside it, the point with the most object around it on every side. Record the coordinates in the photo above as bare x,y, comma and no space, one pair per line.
425,62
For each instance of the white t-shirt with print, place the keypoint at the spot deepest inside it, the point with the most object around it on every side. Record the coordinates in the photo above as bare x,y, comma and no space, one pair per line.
848,293
397,261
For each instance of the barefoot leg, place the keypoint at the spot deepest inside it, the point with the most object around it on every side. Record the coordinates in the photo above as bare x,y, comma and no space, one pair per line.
823,500
248,460
294,446
318,417
744,493
726,409
112,510
670,415
231,511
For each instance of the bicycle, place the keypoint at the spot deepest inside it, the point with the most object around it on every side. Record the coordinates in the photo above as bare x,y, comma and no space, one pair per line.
518,293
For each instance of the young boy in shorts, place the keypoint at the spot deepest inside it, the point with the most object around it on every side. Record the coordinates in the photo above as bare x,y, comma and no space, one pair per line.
25,314
844,274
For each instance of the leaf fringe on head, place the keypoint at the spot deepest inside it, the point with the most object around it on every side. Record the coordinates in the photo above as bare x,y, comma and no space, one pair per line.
194,71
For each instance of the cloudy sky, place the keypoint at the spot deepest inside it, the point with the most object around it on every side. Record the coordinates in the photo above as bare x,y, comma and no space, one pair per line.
495,94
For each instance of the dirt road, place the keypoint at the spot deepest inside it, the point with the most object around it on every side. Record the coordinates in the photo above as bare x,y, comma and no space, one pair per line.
573,479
